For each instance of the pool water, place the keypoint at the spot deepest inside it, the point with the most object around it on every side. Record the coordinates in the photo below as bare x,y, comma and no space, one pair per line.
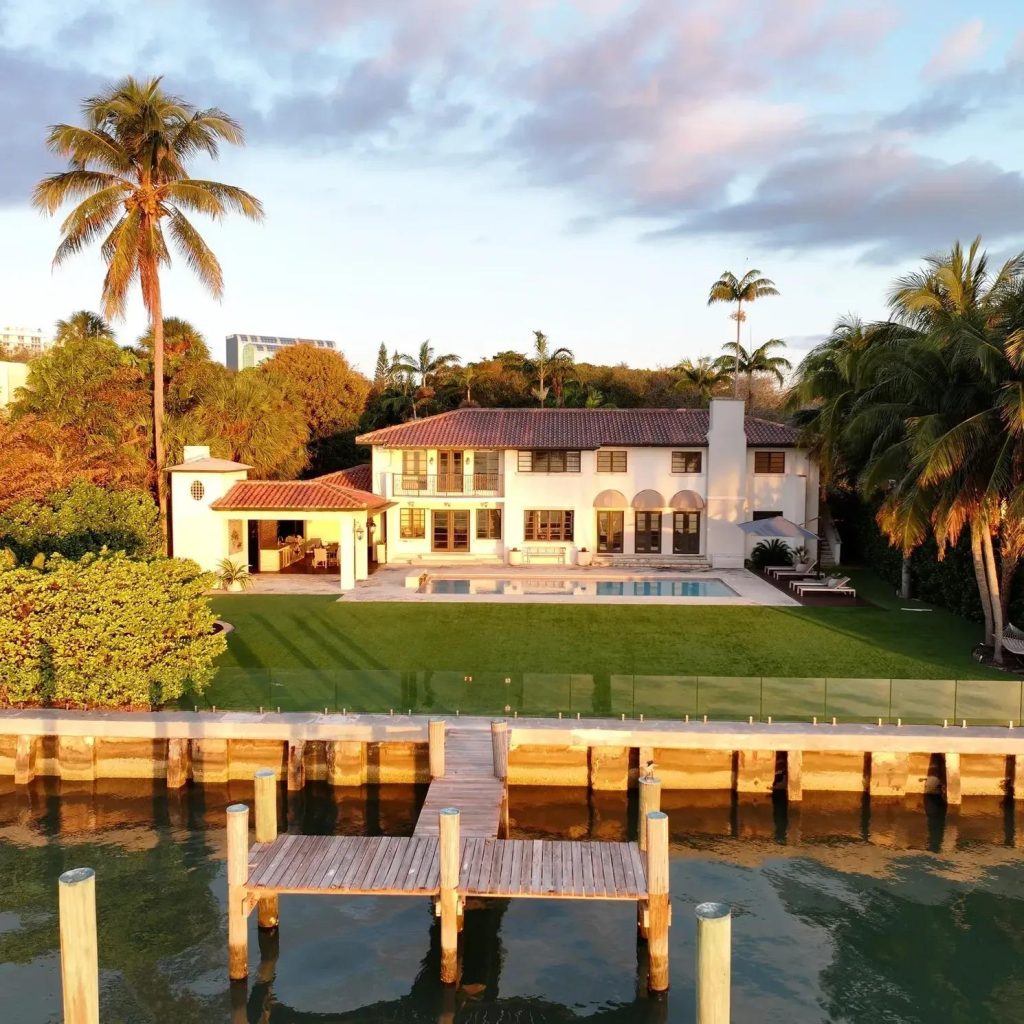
845,910
554,586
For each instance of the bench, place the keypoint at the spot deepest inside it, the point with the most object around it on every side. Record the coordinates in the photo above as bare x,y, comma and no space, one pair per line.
558,554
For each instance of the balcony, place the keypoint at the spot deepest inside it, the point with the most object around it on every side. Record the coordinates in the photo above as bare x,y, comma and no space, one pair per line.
428,485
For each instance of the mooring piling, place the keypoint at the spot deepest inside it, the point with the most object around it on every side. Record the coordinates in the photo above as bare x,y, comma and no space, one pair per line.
268,914
448,896
79,955
714,962
649,788
658,914
238,898
435,738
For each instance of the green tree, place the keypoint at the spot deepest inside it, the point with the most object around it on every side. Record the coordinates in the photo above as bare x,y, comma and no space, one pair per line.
546,364
81,326
382,371
746,289
183,343
128,170
424,367
705,377
756,362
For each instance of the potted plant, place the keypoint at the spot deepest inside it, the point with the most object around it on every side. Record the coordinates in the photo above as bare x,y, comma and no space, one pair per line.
584,557
233,575
515,557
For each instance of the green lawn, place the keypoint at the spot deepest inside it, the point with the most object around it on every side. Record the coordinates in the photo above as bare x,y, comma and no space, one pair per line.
312,652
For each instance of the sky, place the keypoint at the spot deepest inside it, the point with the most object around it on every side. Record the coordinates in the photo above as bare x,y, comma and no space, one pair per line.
469,171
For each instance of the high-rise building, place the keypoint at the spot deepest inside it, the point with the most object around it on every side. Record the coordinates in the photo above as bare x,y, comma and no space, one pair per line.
12,377
23,339
243,351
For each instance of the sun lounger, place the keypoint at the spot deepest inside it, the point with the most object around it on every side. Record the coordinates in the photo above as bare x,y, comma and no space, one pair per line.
801,569
834,585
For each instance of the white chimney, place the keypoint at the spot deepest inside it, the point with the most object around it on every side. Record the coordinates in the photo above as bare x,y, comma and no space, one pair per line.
196,451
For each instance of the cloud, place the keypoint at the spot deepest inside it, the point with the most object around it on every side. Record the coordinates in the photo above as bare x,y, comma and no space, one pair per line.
958,49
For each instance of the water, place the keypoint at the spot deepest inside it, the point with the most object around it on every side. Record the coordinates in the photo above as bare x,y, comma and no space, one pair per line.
845,911
554,586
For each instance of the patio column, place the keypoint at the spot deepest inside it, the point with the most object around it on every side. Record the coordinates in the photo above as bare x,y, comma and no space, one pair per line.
347,552
362,567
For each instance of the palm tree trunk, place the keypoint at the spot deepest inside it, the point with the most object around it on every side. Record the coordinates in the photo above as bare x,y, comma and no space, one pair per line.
978,559
156,324
736,371
992,572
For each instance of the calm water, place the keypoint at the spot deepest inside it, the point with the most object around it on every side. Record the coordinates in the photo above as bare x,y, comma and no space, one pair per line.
849,912
552,586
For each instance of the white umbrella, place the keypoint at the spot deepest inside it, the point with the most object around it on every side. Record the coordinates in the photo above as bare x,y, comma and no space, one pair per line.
776,526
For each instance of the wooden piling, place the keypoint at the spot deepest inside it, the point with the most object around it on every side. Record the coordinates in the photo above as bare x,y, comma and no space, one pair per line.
435,735
296,766
266,832
79,957
649,789
448,900
951,786
714,962
238,911
179,762
794,776
658,917
25,756
499,748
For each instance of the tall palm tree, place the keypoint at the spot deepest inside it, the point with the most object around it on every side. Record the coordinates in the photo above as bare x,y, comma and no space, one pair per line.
756,362
82,325
705,376
424,367
546,362
748,288
128,170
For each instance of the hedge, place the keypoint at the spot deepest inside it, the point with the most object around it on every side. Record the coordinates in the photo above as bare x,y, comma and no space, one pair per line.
105,631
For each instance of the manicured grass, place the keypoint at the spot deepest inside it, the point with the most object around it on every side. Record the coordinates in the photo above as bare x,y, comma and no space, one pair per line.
312,652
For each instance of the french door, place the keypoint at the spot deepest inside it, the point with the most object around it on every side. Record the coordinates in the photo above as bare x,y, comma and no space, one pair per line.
449,472
647,540
449,530
610,532
686,533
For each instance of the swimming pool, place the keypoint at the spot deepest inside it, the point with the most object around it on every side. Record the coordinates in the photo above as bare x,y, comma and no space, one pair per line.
554,586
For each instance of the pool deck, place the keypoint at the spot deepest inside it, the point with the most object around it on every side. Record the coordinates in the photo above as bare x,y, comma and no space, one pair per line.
389,584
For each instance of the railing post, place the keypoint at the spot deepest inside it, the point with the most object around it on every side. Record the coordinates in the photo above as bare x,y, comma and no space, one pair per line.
238,872
658,917
499,749
650,800
714,962
79,956
448,847
435,736
266,832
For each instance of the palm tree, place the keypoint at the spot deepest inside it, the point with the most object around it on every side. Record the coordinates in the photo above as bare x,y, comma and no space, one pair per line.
748,288
547,362
128,168
82,325
758,361
425,366
705,376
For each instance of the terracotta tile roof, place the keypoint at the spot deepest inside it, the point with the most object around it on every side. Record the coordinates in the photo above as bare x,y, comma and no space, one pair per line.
358,477
568,428
296,495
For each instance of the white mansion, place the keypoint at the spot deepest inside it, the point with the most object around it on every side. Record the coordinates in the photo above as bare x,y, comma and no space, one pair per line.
647,485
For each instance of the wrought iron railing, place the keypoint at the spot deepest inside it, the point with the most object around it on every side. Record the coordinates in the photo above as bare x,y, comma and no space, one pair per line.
407,485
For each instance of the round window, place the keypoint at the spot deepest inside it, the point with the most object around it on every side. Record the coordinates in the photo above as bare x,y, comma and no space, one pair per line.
197,490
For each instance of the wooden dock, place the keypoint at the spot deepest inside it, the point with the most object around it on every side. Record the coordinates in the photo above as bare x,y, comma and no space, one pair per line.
454,854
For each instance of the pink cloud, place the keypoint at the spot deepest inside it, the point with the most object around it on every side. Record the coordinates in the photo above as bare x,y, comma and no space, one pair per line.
958,49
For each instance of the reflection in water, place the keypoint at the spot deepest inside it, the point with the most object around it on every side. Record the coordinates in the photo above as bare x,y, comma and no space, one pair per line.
845,910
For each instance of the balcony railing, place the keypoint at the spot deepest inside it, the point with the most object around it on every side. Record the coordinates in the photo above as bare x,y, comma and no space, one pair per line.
472,485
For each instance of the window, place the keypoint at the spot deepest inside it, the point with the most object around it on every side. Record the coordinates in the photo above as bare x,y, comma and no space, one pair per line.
770,462
414,471
485,470
488,524
611,462
765,515
547,525
549,462
647,536
197,490
412,523
687,462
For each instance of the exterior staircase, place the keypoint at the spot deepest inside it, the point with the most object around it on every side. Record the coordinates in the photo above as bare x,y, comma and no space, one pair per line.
829,545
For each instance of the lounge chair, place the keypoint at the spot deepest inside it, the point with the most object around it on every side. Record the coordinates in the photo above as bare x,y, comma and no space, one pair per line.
1013,640
833,585
771,570
801,569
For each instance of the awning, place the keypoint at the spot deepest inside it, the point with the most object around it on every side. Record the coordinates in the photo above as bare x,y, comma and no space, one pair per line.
649,501
776,526
686,501
611,499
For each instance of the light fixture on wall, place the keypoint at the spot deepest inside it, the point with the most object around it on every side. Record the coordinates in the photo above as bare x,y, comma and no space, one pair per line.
360,532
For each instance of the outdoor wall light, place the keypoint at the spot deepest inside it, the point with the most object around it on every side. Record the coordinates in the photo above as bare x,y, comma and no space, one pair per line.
360,532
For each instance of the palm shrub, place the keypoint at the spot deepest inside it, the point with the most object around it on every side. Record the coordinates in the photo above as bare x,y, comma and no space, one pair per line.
771,552
105,631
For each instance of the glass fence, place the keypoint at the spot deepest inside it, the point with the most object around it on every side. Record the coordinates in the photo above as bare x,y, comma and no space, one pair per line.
722,698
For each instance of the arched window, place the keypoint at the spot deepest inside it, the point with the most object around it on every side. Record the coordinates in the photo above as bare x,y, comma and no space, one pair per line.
197,490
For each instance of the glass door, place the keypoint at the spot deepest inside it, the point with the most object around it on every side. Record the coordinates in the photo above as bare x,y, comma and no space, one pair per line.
610,531
449,472
686,533
647,540
449,530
